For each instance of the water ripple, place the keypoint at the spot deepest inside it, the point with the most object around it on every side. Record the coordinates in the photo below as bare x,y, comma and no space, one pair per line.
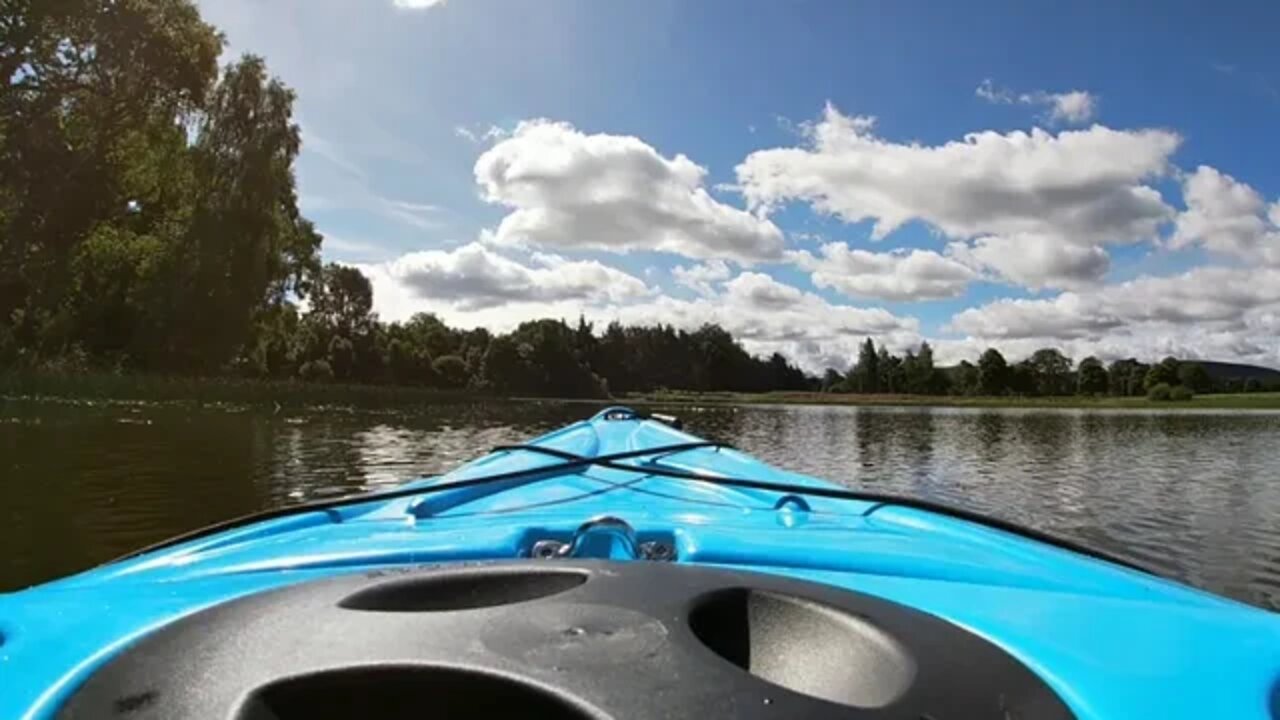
1190,495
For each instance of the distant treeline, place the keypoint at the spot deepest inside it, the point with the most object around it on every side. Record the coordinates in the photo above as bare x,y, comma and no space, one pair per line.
341,339
1047,372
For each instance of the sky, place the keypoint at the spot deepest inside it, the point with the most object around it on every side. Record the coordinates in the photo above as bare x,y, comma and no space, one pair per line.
1099,177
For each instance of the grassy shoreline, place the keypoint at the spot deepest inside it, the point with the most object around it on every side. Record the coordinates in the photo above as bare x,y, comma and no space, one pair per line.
1255,401
106,387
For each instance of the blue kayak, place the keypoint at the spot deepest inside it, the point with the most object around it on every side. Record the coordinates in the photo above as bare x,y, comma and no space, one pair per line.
622,568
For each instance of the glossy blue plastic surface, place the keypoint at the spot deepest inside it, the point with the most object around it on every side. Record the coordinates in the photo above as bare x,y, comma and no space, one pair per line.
1113,642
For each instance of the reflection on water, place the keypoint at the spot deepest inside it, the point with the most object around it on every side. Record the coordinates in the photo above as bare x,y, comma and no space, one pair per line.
1191,495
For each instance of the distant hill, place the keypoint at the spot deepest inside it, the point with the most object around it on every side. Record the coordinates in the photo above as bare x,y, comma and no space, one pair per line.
1237,371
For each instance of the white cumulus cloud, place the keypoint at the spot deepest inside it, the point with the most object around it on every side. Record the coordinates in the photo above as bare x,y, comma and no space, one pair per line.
701,278
480,135
570,190
1227,216
1066,316
900,275
1035,261
1077,186
1076,106
1215,313
1073,107
1207,298
473,277
1034,190
417,4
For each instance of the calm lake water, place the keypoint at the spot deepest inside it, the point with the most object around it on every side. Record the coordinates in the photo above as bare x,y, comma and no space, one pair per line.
1194,496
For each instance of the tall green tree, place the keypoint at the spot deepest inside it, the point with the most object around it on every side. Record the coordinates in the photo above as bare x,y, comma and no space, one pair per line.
831,380
342,299
1126,377
89,149
892,379
148,217
993,373
1051,372
407,359
921,377
544,362
452,371
967,380
1091,377
433,335
247,244
610,360
584,340
342,329
506,367
865,375
1164,372
1022,379
782,375
716,359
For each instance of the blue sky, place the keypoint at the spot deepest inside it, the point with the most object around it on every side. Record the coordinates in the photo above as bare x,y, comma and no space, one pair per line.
1098,178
